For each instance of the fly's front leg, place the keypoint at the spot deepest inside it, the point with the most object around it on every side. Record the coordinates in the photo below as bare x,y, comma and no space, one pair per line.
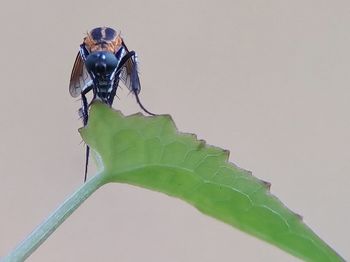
114,91
85,116
84,111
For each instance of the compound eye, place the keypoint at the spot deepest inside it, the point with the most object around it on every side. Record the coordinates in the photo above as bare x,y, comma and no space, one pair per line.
101,63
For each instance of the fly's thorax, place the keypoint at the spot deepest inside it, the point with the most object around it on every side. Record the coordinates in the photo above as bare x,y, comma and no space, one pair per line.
103,92
105,88
103,83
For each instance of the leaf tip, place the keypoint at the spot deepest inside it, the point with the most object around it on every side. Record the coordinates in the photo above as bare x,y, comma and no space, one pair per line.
300,217
226,154
201,144
81,130
266,184
138,114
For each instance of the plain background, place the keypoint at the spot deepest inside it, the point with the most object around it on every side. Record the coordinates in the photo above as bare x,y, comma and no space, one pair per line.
267,80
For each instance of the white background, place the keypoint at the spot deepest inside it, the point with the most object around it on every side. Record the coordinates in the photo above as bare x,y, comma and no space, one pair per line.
267,80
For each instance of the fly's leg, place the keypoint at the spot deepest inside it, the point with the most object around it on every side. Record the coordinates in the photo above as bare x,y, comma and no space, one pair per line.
84,114
83,111
129,61
135,83
114,91
140,104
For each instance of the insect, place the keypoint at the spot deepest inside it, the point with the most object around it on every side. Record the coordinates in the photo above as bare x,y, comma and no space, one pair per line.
103,60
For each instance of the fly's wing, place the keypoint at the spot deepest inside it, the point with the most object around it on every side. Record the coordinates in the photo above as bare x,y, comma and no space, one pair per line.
129,75
79,79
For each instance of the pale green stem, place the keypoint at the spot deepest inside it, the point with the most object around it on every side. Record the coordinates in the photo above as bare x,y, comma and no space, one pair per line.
44,230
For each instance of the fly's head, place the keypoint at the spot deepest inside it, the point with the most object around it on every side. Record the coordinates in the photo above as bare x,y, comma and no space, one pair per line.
102,66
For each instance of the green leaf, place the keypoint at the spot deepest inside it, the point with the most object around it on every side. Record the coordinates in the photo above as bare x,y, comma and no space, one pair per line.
149,152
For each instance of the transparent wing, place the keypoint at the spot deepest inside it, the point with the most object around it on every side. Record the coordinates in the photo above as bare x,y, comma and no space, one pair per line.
129,75
80,78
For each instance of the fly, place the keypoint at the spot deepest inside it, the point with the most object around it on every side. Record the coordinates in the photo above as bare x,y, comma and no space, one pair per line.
103,60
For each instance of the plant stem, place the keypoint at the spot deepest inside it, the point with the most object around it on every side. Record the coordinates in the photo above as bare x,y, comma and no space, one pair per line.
44,230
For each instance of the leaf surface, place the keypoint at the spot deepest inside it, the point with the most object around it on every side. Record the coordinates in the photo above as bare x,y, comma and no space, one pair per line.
149,152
